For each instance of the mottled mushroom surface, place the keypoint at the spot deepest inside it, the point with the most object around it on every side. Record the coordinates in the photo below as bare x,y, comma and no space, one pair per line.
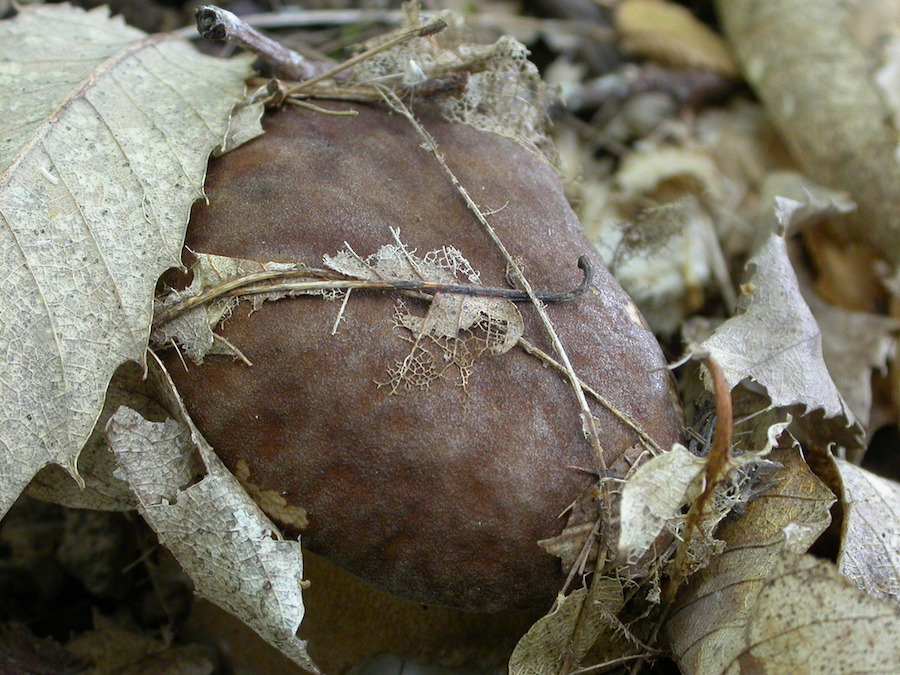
437,494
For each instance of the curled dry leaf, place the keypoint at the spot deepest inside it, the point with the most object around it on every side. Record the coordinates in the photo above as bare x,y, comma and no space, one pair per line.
669,33
822,89
707,627
774,339
870,544
105,137
231,551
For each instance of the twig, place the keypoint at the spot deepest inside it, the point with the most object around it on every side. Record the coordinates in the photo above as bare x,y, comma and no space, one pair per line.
587,419
215,23
429,29
622,416
338,17
312,279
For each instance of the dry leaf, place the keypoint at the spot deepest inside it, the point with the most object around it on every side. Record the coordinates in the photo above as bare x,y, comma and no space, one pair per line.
854,345
671,34
652,498
870,544
820,87
543,648
807,618
709,620
774,340
105,137
232,552
103,490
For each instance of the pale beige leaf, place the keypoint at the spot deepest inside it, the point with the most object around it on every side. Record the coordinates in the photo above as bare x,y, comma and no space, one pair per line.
708,623
653,496
819,86
543,648
221,538
870,546
774,339
669,33
807,618
104,138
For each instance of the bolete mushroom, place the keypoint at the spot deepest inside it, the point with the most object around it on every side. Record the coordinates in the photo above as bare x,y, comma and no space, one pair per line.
439,489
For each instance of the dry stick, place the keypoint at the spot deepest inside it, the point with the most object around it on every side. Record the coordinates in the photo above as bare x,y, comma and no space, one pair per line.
587,418
623,417
429,29
717,466
215,23
254,283
431,145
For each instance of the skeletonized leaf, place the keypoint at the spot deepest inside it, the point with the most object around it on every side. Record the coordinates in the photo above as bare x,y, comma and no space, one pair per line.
870,546
104,138
457,328
809,619
708,623
221,538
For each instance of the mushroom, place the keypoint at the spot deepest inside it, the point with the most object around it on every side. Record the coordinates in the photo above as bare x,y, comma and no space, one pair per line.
437,491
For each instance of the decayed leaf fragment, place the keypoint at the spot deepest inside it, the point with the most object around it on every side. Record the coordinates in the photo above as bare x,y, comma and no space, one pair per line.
232,552
543,649
708,623
870,544
457,328
104,138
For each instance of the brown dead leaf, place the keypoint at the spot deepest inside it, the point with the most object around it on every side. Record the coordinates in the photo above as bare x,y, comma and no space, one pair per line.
870,544
807,618
544,647
774,339
231,550
708,624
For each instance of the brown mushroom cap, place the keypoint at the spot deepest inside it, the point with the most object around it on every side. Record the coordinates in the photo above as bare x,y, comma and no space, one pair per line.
436,494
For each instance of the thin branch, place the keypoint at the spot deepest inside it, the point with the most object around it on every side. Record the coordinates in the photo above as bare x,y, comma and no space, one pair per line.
622,416
587,419
215,23
313,279
429,29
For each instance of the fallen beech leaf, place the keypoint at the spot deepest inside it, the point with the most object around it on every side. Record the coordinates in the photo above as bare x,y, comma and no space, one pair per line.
774,339
854,344
707,625
870,544
546,644
808,618
232,552
105,137
821,89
